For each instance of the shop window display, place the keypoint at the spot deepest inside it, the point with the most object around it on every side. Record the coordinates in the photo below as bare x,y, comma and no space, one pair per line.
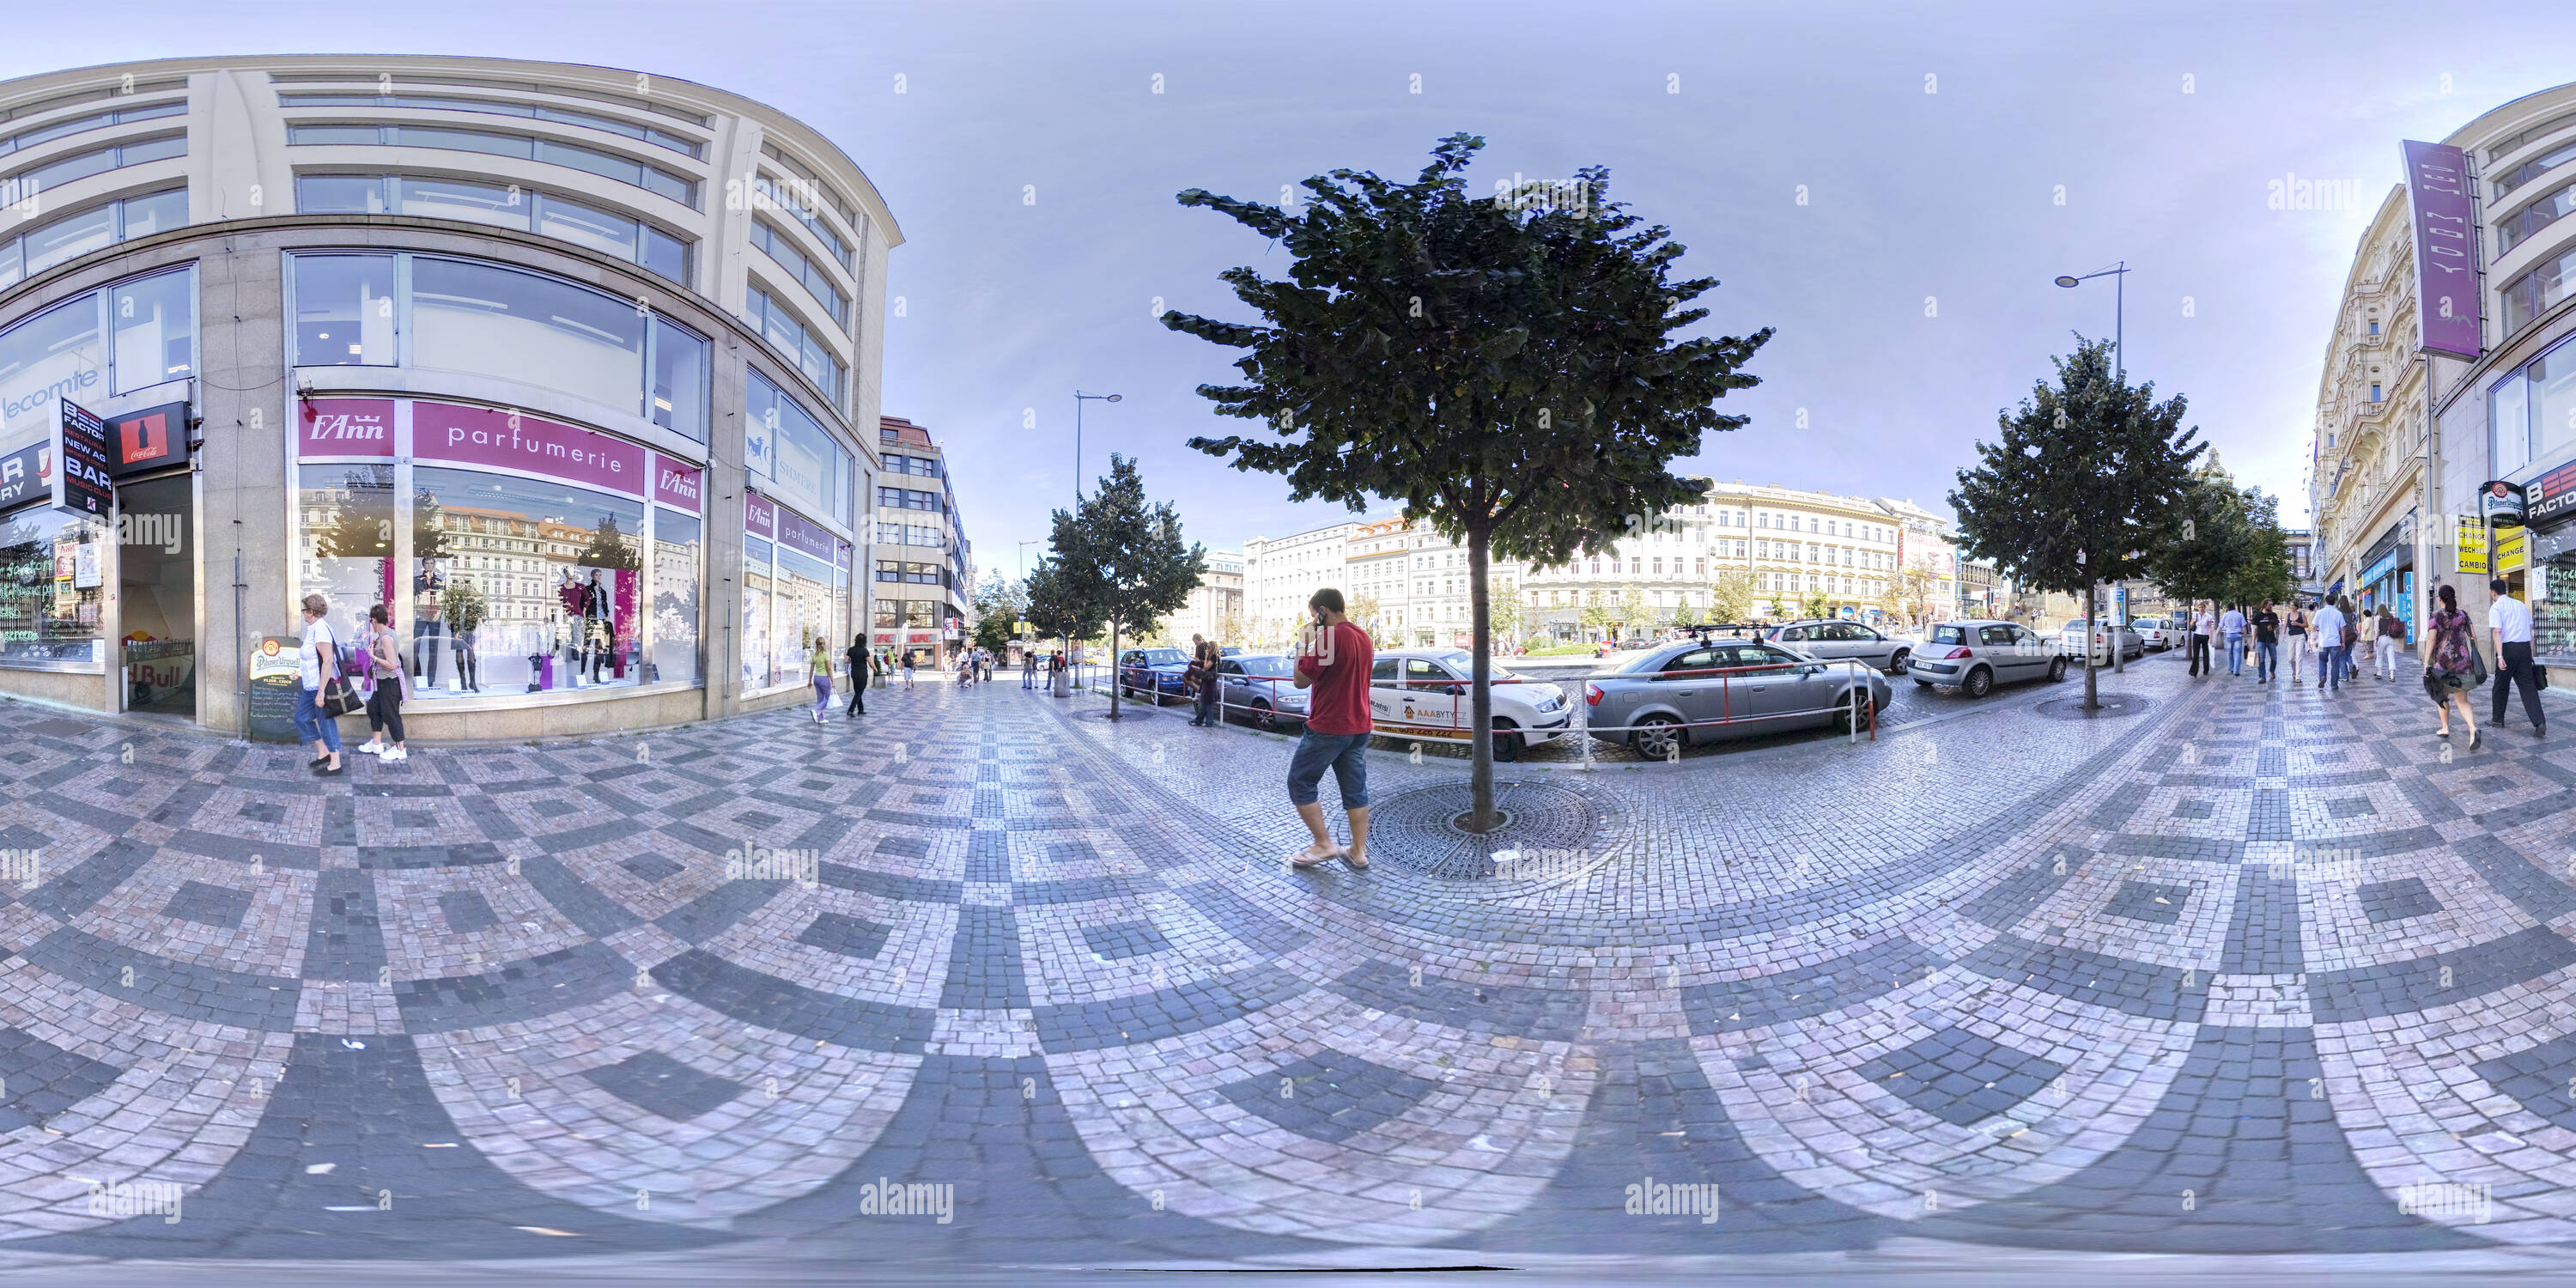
803,594
51,572
522,586
755,614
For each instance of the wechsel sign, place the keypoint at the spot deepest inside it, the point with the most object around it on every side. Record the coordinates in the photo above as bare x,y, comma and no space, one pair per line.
2446,262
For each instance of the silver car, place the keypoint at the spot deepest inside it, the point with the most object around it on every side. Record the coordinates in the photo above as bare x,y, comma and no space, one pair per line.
2070,641
1833,641
1976,655
1263,689
2158,633
1702,691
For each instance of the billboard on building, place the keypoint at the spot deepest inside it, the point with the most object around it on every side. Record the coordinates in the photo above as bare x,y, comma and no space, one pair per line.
2446,259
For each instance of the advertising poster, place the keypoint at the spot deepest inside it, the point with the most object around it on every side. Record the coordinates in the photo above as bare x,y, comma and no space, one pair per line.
276,677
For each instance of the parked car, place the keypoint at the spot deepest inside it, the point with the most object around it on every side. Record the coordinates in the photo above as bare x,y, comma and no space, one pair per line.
1424,693
1704,691
1974,656
1152,673
2160,633
1835,640
1262,687
2070,641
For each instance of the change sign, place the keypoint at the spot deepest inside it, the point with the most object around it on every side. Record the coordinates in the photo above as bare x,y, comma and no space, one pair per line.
81,448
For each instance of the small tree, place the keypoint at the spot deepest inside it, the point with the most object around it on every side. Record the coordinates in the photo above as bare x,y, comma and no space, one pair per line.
1633,613
1730,597
1506,368
1818,604
1053,610
1121,561
2081,481
1595,614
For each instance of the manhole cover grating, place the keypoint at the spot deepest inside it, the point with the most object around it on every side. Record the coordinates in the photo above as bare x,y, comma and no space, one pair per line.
2114,706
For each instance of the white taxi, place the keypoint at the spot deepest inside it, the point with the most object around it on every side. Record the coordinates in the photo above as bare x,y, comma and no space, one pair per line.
1427,694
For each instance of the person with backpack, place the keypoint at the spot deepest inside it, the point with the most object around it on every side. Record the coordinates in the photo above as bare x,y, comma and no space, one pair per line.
2391,641
2451,664
318,662
380,664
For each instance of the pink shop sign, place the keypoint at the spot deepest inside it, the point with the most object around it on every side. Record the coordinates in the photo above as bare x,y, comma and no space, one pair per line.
678,484
518,441
344,427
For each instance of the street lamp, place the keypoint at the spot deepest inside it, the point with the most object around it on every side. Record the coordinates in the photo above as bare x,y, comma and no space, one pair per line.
1079,398
2120,358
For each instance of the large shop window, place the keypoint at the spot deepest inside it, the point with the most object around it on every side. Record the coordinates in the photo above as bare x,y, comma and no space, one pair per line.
605,231
61,352
522,586
51,585
757,558
678,553
345,539
2531,413
786,446
487,320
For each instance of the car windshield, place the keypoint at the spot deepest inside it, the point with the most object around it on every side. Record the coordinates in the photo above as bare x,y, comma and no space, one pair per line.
1949,635
1163,656
1646,663
1464,663
1270,666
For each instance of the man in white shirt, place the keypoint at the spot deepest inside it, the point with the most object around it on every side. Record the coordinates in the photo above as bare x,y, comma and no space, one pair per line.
2330,650
2509,624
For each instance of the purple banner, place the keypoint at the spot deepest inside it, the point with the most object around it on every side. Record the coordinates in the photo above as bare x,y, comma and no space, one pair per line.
2446,260
676,483
446,432
796,532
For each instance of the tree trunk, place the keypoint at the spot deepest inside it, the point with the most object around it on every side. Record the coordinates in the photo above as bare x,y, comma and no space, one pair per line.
2092,698
1113,670
1480,775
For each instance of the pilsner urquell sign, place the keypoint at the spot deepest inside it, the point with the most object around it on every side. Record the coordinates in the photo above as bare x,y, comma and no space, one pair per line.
2446,250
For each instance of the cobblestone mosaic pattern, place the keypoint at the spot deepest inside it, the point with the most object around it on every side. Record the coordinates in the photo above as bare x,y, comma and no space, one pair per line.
983,979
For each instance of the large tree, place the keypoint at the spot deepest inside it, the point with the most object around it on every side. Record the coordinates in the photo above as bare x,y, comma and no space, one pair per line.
1507,368
1123,559
2082,481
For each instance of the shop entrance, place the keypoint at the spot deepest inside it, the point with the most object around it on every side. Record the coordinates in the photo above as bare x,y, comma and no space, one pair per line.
157,593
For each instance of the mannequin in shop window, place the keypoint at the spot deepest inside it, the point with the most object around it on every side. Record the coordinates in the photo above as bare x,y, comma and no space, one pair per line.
428,623
568,637
597,624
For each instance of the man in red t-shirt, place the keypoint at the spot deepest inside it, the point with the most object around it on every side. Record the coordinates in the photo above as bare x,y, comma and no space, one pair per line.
1335,664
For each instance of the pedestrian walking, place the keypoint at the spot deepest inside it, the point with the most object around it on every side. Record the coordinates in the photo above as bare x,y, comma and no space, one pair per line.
2296,630
965,670
318,664
2231,625
2267,643
1059,675
2390,642
860,660
819,665
1335,666
2351,637
2204,624
907,666
387,685
2509,625
2331,629
1029,670
1202,679
2450,664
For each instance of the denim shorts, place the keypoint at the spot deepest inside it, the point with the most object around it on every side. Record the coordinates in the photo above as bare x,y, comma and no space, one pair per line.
1347,753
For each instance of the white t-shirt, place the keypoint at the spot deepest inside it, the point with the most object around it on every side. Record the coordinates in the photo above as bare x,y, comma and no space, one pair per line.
2510,619
316,632
2204,624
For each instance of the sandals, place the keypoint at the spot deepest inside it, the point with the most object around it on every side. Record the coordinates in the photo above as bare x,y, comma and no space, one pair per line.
1305,860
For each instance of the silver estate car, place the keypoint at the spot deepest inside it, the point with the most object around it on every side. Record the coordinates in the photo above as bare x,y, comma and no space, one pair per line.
1703,691
1262,688
1834,640
1976,655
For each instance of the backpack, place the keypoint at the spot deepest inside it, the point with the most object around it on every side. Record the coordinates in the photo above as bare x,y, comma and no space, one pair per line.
2351,633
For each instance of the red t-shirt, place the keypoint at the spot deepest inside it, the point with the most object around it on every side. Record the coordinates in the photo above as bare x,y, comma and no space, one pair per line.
1339,701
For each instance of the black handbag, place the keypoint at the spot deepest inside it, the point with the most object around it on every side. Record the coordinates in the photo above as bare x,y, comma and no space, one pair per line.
2477,667
338,697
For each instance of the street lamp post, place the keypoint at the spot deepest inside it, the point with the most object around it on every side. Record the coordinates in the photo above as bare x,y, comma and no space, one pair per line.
2120,360
1079,398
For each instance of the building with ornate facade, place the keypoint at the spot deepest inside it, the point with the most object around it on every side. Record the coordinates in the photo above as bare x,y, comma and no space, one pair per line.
2367,479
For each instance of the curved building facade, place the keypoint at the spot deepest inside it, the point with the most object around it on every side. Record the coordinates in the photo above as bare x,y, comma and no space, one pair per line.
561,364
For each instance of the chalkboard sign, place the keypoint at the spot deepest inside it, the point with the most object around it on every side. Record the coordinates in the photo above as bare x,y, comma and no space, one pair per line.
276,681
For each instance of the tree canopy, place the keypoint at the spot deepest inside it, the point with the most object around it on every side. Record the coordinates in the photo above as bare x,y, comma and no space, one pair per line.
1119,562
1509,369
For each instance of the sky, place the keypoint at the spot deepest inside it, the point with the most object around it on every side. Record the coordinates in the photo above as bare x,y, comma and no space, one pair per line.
1889,186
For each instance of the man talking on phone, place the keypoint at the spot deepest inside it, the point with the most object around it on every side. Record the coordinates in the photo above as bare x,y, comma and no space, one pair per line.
1335,664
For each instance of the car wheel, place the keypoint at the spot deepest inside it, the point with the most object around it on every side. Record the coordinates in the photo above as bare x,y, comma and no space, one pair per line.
1263,717
1845,718
1507,742
2056,669
1658,736
1981,681
1896,661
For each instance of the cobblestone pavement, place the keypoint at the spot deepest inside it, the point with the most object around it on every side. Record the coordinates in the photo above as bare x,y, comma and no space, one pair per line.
985,980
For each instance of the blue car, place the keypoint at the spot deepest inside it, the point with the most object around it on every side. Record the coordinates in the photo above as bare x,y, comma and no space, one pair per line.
1153,673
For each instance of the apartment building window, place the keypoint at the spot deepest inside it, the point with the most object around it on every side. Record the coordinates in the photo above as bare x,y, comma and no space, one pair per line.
2374,393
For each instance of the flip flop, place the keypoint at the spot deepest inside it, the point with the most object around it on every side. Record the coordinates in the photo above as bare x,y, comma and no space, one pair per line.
1304,859
1356,864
